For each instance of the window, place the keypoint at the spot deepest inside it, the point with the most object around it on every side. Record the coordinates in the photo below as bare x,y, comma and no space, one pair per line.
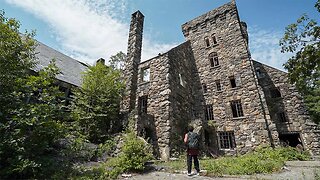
259,73
145,75
226,140
207,42
232,82
181,80
204,88
142,106
209,112
218,85
282,117
214,60
275,93
214,39
236,108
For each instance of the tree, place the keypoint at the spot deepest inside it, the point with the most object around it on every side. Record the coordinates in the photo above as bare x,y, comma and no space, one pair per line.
96,103
303,39
17,57
117,61
31,115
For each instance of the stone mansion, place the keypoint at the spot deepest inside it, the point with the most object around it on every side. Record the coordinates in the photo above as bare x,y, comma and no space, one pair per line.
211,82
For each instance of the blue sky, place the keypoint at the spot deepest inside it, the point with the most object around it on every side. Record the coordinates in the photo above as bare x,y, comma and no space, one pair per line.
89,29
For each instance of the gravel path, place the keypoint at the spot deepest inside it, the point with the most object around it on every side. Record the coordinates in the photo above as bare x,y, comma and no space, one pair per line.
294,170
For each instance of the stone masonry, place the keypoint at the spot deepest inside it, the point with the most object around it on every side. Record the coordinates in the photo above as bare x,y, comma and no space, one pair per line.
211,82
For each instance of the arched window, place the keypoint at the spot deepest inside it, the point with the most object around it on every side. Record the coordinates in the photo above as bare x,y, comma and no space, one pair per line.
214,60
207,41
214,39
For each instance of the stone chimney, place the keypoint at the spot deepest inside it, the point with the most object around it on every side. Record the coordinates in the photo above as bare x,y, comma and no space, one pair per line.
130,73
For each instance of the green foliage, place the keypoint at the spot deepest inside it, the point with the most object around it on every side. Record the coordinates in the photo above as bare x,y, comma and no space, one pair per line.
16,59
263,160
132,158
96,104
117,61
31,128
303,38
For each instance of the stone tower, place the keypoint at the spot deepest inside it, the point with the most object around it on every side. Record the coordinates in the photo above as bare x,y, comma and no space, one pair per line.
132,61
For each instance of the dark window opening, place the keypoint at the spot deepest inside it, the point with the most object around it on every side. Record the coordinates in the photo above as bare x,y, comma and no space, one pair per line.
206,39
214,60
290,139
206,138
236,108
204,88
214,39
227,140
143,102
232,82
275,93
282,117
218,85
209,112
259,73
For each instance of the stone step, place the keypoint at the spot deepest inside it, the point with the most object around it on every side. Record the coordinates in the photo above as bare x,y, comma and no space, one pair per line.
303,163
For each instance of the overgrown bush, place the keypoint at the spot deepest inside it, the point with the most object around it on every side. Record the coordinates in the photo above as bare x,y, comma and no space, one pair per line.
134,154
263,160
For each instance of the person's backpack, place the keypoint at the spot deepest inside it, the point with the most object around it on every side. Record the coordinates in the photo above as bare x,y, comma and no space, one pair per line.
193,140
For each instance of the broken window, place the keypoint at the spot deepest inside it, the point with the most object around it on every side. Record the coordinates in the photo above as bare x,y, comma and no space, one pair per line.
214,39
259,73
214,60
226,140
209,112
275,93
218,85
207,42
204,88
236,108
182,81
145,75
282,117
232,82
142,104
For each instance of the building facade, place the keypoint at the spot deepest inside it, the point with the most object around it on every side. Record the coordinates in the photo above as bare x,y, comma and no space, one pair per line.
211,82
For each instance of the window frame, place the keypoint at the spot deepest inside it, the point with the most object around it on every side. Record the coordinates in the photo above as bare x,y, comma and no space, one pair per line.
209,112
143,104
236,108
226,140
214,59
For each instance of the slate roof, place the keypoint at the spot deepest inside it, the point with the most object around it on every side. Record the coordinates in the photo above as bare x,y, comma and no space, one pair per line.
71,69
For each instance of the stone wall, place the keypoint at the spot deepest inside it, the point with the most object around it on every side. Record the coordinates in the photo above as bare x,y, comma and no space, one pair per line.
290,103
250,130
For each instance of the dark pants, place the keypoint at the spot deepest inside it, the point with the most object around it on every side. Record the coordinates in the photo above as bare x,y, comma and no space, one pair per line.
196,162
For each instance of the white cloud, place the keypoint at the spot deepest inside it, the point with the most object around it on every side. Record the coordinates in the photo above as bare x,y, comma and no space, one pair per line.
264,47
88,29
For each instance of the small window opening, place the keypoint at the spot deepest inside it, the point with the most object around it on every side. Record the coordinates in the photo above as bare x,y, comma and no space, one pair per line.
275,93
181,80
282,117
206,39
227,140
204,88
232,82
209,112
218,85
290,139
214,39
142,104
214,60
259,73
236,108
145,75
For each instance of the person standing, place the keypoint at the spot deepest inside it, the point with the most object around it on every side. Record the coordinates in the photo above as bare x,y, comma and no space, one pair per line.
191,139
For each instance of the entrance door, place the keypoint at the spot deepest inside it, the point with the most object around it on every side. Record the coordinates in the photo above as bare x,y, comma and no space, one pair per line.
290,139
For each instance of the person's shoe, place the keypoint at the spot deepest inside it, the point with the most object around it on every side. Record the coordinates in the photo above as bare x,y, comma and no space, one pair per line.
189,174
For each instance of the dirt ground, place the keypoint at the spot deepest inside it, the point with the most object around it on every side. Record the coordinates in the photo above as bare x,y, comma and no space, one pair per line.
294,170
